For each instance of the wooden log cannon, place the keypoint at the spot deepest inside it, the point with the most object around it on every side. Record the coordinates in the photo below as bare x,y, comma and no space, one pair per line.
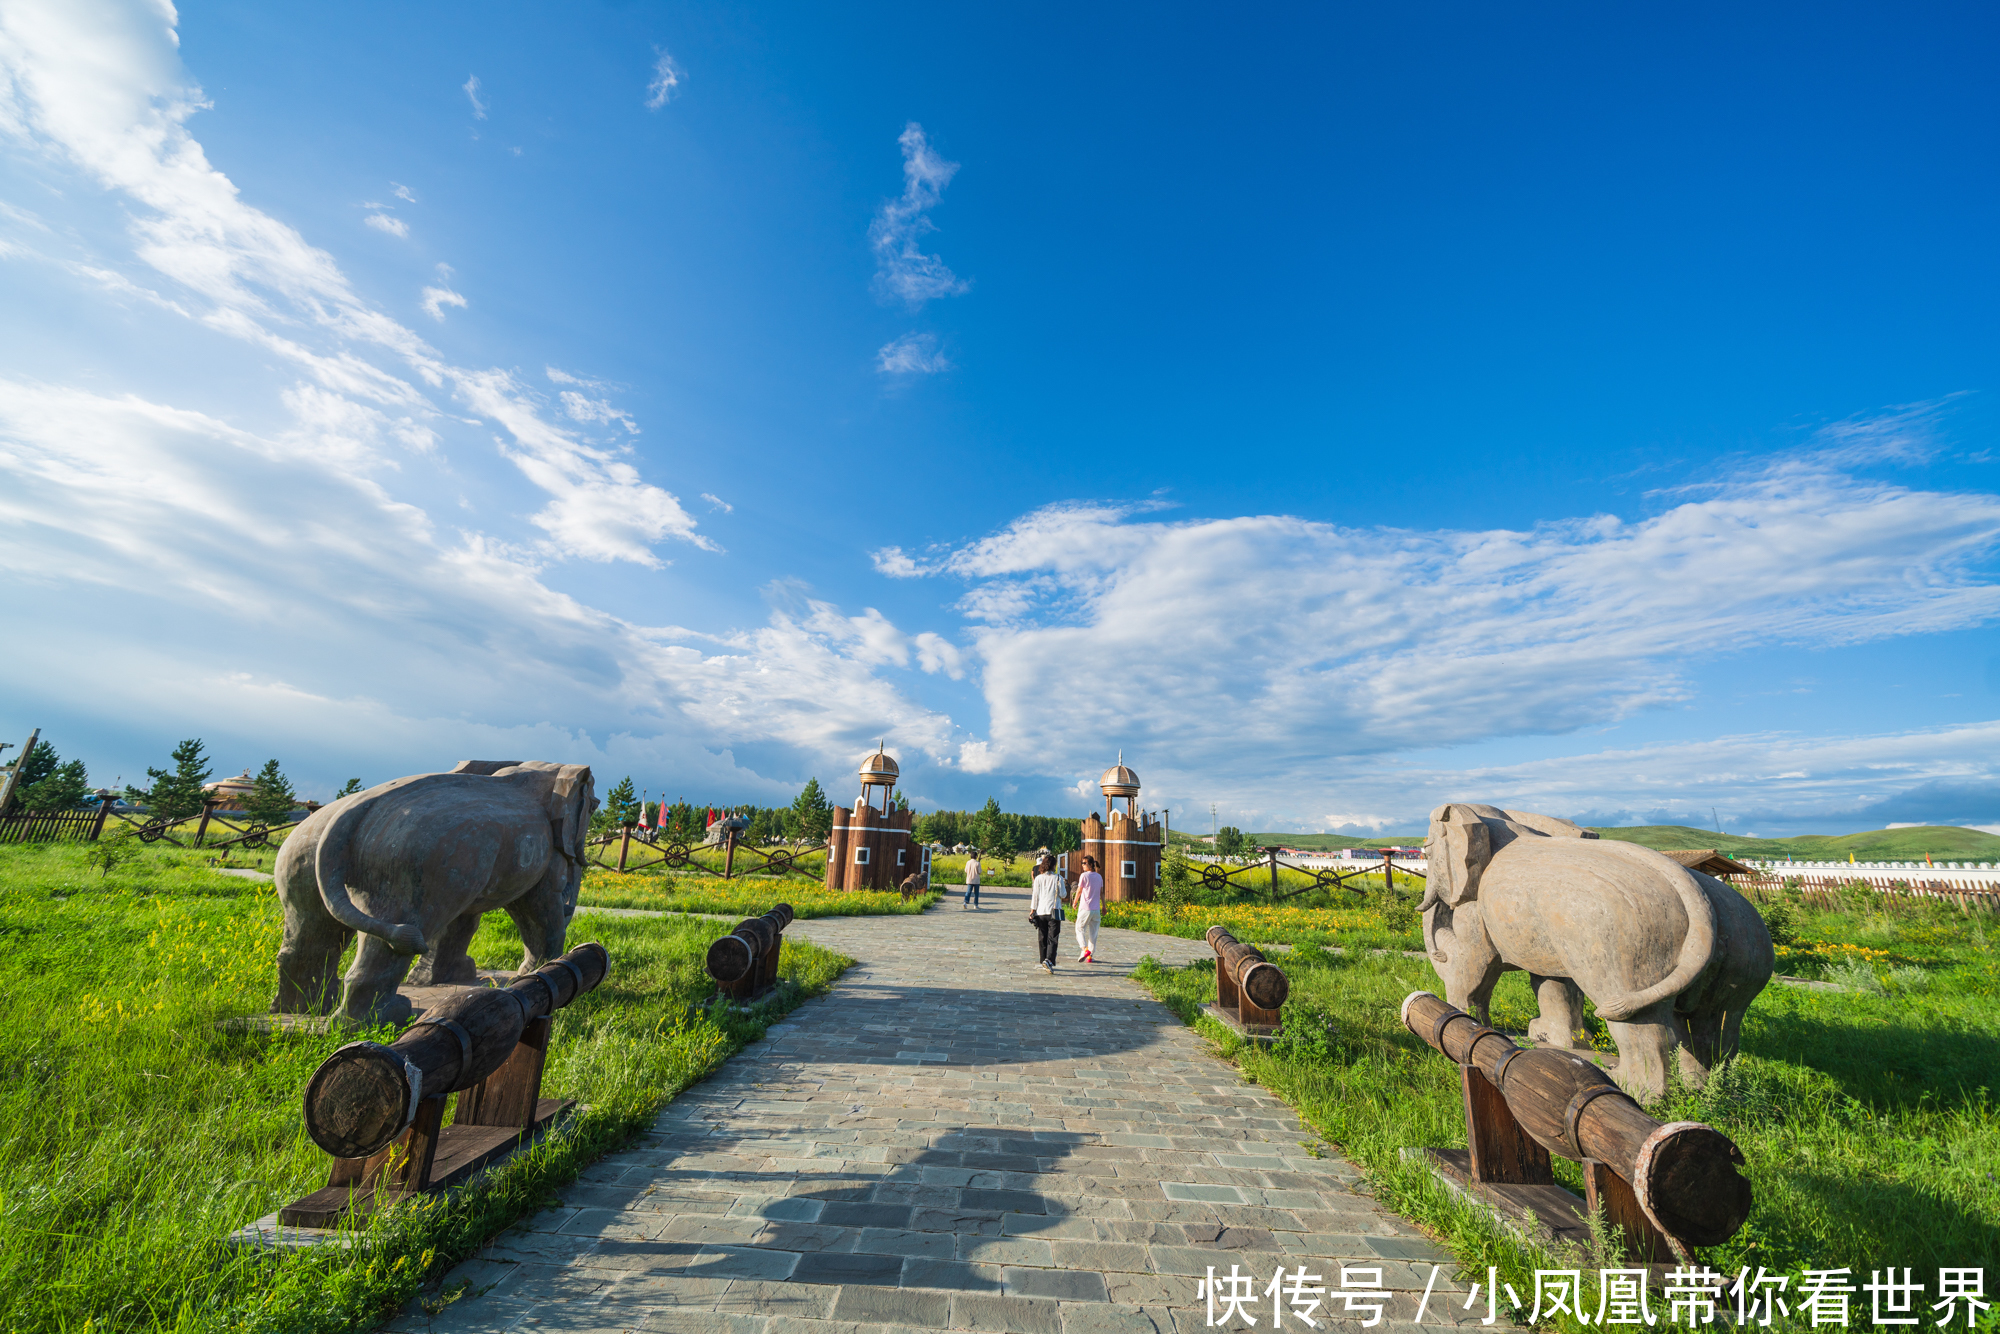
744,963
1250,990
1668,1188
379,1108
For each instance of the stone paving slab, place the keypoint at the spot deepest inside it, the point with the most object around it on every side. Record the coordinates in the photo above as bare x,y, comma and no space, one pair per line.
953,1139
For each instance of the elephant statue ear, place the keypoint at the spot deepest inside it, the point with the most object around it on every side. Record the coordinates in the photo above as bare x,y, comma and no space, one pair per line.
1460,845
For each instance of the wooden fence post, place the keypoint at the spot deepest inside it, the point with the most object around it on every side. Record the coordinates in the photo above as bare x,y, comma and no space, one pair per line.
14,774
1274,873
201,830
728,854
624,846
103,810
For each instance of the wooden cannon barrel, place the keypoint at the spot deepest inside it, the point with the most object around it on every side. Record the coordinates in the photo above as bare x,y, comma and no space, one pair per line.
365,1094
1261,980
737,953
1683,1173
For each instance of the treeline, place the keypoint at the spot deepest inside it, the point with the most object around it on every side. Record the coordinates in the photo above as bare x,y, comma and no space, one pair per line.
1000,833
809,819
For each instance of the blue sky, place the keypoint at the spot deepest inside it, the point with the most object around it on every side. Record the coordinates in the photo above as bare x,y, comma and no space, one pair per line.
1341,410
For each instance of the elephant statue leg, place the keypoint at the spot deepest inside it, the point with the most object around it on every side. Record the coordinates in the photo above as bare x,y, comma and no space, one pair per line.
1708,1036
446,963
309,965
543,924
1560,1002
1645,1042
370,994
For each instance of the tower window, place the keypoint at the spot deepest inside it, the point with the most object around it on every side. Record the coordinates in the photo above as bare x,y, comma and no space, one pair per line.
1128,870
861,856
900,854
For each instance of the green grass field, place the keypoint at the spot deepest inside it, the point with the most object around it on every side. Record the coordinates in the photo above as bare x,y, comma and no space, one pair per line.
666,891
136,1135
1868,1115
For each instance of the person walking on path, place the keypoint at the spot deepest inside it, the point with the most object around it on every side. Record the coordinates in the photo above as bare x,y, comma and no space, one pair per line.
1089,910
1045,911
972,869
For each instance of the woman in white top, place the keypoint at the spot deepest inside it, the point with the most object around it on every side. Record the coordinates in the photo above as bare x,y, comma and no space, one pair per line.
1045,910
1089,904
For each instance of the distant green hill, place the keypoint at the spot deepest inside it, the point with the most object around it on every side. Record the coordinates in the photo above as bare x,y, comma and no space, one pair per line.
1943,842
1949,842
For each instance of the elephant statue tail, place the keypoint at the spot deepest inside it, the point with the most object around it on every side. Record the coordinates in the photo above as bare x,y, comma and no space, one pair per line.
1697,951
331,868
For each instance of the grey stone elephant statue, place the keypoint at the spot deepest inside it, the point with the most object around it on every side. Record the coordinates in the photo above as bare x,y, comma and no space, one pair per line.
412,865
1670,957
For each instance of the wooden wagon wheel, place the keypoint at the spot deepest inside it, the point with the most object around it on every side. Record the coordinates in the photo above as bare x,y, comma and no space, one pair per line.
676,855
1213,877
154,830
256,836
780,862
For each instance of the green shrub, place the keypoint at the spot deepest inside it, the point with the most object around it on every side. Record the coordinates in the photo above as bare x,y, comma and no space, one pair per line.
1781,919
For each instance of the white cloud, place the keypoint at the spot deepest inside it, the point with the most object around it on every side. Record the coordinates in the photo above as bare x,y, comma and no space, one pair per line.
583,409
717,502
382,222
471,87
912,354
1307,642
105,91
666,81
896,563
403,192
936,654
365,627
564,377
903,272
435,299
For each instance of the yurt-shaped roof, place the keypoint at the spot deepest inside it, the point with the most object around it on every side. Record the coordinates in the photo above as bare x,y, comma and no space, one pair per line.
228,788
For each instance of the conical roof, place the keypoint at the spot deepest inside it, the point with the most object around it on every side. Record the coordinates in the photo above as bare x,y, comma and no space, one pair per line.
1118,781
879,767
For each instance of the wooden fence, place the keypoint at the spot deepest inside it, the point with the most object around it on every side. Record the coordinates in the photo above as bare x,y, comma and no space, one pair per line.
87,826
52,826
1826,891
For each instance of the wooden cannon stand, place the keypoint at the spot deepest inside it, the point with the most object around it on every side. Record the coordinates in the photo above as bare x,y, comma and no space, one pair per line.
1504,1168
493,1116
1234,1009
762,978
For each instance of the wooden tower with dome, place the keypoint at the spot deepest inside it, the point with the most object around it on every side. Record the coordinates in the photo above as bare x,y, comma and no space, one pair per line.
873,845
1127,843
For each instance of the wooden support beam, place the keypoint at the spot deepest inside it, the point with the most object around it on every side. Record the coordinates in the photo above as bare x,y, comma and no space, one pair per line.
1604,1188
1500,1150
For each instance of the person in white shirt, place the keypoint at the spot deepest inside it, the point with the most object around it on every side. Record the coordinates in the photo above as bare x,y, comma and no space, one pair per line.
972,870
1089,910
1045,910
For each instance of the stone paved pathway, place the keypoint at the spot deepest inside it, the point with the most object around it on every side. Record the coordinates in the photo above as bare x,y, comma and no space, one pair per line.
952,1140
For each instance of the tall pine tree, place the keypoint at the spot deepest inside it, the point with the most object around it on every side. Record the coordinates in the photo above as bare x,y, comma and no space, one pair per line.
621,803
176,793
810,819
271,799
